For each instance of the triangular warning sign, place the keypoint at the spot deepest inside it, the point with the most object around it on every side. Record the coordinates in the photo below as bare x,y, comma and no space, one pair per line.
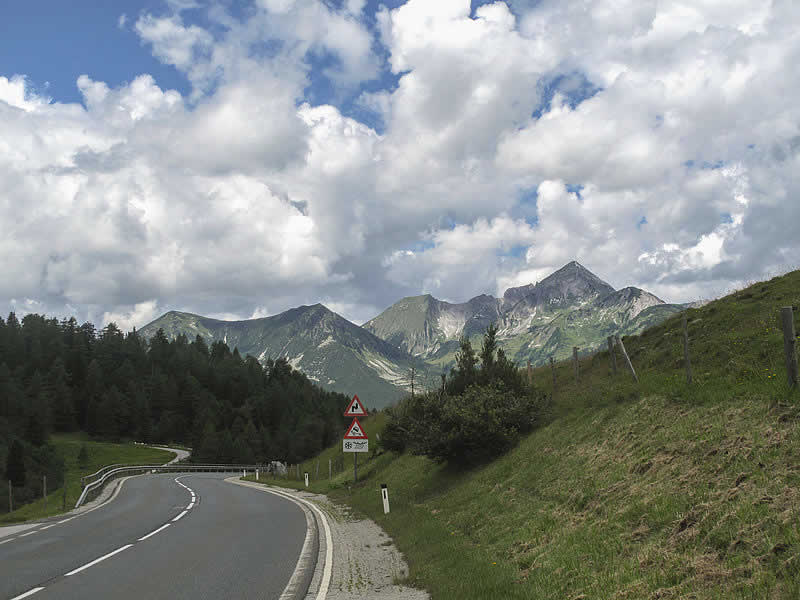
355,432
355,408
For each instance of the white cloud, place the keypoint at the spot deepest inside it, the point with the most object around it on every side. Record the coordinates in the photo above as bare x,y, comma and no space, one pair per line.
246,194
13,93
137,316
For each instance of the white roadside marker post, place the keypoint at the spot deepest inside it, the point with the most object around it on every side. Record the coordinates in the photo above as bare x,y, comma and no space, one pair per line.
256,474
306,474
385,496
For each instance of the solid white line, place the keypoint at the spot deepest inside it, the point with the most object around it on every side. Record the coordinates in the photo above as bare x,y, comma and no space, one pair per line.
8,540
97,560
65,520
162,528
28,593
179,516
328,570
191,504
29,533
48,527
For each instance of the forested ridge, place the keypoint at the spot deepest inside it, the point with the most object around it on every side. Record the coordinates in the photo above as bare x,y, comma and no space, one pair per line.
58,376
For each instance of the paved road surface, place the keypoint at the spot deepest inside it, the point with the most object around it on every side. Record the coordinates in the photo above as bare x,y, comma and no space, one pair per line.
233,543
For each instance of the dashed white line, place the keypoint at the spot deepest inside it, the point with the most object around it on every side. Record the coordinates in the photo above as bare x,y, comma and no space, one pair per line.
162,528
97,560
29,533
28,593
48,526
65,520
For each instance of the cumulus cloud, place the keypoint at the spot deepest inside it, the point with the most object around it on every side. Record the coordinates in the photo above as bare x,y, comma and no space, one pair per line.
673,168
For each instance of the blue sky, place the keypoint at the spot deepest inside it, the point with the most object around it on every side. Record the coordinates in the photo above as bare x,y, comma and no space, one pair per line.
52,43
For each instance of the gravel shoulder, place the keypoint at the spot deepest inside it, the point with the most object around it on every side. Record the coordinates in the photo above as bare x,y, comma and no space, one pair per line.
366,563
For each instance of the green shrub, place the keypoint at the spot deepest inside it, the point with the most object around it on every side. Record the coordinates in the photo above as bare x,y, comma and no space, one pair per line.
480,417
467,429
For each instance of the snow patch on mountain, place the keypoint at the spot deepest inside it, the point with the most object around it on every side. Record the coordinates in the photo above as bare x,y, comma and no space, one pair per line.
295,362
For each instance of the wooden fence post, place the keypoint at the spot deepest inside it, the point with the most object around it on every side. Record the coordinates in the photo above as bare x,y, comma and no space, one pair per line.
627,358
575,361
789,345
612,354
553,369
686,360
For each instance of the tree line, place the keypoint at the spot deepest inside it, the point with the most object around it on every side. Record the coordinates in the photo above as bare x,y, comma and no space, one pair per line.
58,376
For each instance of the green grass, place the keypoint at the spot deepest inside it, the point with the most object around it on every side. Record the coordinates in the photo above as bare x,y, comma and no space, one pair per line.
100,455
656,490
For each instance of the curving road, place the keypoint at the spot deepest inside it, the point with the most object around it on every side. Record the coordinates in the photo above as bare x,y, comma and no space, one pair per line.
195,538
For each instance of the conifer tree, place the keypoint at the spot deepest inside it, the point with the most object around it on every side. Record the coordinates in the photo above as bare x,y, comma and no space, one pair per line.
15,464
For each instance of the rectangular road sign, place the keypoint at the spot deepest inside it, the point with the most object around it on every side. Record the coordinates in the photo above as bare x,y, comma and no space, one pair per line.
355,445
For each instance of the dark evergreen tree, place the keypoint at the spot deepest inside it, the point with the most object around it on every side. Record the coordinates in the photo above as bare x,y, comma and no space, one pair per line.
59,388
15,464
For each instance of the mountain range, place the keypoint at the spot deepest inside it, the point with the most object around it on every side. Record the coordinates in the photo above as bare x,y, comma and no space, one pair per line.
570,307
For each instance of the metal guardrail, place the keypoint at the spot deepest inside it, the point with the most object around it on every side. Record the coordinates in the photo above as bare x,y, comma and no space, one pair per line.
87,479
113,471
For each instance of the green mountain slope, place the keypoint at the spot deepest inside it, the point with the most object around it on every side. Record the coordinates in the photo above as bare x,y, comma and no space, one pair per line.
657,490
329,349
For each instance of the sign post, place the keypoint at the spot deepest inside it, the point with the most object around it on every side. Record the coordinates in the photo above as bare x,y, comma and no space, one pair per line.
306,474
355,440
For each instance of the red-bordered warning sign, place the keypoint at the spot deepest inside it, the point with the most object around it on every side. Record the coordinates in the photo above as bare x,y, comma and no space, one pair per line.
355,432
355,408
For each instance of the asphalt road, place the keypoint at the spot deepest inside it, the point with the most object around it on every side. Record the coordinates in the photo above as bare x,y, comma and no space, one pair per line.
233,542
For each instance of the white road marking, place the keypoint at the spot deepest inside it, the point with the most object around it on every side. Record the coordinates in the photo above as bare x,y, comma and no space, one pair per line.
179,516
162,528
65,520
6,541
48,527
28,593
97,560
191,491
29,533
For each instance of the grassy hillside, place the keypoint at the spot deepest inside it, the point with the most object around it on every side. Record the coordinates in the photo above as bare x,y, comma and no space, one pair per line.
656,490
100,454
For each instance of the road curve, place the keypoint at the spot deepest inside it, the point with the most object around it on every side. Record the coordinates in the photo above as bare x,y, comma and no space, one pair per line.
233,542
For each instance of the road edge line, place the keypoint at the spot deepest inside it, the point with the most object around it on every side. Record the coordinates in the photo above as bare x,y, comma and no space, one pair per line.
312,516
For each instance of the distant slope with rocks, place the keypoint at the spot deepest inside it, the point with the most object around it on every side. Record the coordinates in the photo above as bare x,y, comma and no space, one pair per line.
570,307
329,349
